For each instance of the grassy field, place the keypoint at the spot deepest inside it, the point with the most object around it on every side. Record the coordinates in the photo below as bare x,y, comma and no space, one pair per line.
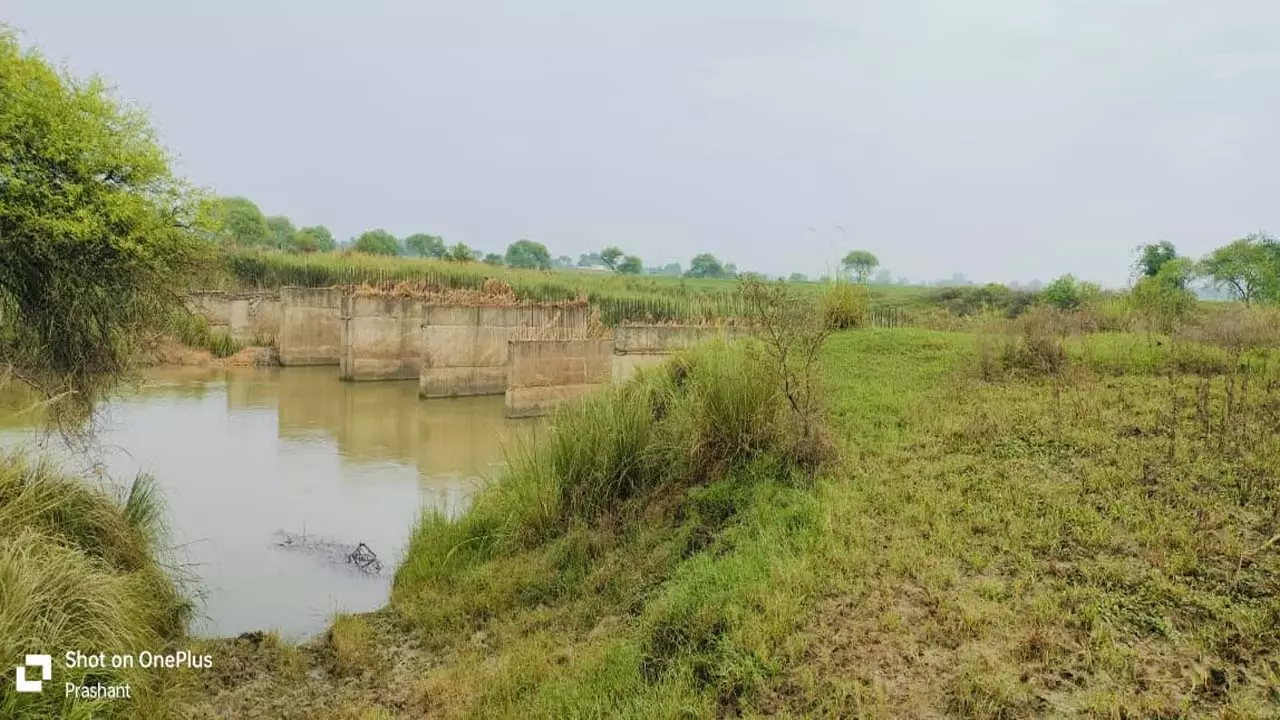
1015,526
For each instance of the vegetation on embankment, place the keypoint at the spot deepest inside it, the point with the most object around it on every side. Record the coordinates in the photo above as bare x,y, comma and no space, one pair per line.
97,238
79,570
1049,535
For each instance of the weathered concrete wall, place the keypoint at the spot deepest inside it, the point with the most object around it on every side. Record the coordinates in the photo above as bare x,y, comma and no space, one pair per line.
381,337
545,373
310,326
465,349
640,346
246,317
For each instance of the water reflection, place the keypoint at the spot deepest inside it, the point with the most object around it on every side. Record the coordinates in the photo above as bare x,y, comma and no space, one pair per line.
244,454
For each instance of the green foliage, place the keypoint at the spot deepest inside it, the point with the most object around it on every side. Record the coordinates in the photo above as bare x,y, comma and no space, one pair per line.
610,257
631,265
315,238
459,253
281,231
424,245
1068,293
78,570
529,255
1153,256
798,278
377,242
860,263
242,222
96,234
1249,268
967,301
494,259
705,265
1164,298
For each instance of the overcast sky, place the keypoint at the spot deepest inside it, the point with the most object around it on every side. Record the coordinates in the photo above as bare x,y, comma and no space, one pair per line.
1005,139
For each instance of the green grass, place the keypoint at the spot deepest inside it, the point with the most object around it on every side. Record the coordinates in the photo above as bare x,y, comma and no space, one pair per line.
79,571
1100,540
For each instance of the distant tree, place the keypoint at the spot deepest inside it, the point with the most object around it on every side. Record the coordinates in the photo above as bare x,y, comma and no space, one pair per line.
798,277
564,261
242,222
631,265
610,256
884,277
860,263
459,253
304,241
903,281
528,254
377,242
320,236
1068,293
1153,256
280,230
590,260
424,245
1165,298
1247,267
492,259
705,265
730,270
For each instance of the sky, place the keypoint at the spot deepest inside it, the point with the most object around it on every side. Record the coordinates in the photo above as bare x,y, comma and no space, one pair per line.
1008,140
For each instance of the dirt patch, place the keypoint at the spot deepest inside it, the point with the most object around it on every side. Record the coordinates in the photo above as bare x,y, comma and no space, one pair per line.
174,354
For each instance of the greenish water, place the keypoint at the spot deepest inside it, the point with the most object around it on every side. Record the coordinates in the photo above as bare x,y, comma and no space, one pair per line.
244,455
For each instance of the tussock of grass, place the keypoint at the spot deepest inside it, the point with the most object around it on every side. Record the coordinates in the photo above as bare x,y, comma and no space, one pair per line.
193,331
78,572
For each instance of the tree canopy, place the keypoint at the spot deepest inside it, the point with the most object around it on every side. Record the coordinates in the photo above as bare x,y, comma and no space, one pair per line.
528,254
705,265
631,265
860,263
280,230
424,245
242,222
610,257
460,253
1249,267
1153,256
377,242
97,235
315,238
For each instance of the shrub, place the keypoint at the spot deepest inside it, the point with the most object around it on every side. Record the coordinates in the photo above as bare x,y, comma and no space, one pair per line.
1032,344
846,305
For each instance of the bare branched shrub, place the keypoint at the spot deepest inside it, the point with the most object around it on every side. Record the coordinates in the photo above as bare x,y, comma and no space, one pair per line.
793,332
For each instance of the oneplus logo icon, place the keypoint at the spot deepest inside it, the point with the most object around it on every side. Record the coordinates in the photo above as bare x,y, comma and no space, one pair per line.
44,662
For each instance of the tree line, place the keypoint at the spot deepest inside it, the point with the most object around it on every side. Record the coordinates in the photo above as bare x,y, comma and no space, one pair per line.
241,223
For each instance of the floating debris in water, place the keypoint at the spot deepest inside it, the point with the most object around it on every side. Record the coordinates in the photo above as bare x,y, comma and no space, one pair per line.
365,558
362,557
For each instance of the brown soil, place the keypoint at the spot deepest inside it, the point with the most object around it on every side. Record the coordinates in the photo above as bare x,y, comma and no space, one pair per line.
172,353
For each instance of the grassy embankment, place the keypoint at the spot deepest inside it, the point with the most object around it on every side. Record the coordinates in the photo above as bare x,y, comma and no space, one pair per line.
1020,525
81,569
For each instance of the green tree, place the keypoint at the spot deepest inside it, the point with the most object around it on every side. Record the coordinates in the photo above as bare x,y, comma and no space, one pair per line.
280,231
1153,256
705,265
424,245
860,263
1247,268
493,259
460,253
631,265
564,261
1165,298
528,254
798,277
1064,293
318,235
377,242
96,233
241,221
610,257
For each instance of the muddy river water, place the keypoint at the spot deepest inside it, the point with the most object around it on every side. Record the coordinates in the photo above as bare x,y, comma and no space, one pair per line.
252,458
